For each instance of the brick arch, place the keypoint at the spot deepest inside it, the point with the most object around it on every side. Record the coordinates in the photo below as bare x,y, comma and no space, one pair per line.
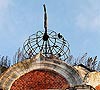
40,79
39,62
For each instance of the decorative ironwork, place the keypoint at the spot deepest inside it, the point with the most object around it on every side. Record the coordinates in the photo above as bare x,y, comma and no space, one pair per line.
55,45
48,43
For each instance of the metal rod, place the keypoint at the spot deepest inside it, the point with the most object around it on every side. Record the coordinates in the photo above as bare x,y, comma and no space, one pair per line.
45,19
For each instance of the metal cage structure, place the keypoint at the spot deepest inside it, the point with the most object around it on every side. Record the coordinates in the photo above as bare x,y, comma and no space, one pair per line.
48,43
55,45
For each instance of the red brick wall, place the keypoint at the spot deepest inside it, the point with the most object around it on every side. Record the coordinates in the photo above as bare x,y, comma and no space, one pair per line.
97,87
40,79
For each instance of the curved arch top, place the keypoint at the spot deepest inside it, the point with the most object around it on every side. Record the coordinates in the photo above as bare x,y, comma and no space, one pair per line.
40,79
40,62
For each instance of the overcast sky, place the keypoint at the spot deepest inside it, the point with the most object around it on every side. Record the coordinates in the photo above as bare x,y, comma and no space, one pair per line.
77,20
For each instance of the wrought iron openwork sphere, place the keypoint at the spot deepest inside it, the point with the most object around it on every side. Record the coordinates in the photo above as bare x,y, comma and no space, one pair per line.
50,44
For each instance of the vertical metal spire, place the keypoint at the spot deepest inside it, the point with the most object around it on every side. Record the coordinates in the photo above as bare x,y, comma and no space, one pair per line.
45,18
45,36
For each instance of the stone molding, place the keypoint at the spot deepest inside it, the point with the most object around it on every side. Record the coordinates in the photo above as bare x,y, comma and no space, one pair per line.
40,62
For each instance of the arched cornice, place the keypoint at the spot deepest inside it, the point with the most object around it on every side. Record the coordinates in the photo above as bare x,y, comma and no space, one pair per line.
39,62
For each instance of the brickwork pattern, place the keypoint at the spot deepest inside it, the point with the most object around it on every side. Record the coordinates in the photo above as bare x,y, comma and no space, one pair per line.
36,63
40,79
